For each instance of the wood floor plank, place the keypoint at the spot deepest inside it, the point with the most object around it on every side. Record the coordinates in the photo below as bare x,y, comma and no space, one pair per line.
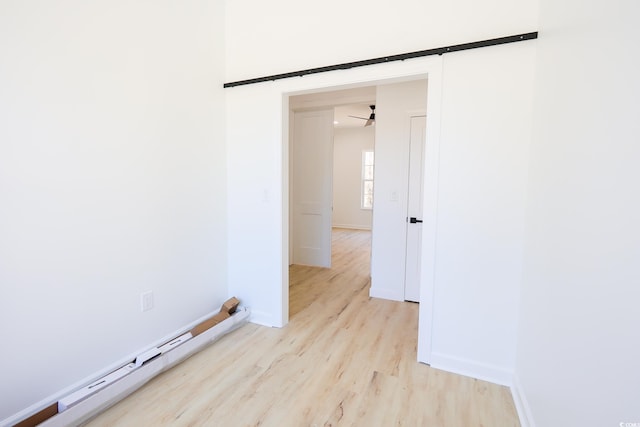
344,359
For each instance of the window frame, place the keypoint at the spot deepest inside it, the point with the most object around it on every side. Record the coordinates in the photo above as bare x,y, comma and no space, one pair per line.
364,179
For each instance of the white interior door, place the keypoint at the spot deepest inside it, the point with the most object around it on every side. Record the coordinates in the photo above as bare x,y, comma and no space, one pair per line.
414,209
312,177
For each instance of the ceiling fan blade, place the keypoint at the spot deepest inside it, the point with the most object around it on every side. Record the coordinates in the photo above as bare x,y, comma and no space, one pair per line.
361,118
372,117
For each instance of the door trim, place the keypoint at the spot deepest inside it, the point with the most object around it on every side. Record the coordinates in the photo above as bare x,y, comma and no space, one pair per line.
430,216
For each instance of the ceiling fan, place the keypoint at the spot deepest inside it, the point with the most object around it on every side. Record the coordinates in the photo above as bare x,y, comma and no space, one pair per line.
372,117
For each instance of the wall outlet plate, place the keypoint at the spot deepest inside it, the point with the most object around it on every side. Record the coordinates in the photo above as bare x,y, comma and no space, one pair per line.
146,301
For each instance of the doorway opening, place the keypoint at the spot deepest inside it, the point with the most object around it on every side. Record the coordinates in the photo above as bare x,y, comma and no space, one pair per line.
331,151
282,94
395,261
327,187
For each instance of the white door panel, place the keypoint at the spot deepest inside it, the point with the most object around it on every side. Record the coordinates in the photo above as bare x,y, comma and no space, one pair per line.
312,187
414,209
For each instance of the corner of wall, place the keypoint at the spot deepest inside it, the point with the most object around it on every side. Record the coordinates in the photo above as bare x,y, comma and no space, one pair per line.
521,403
262,318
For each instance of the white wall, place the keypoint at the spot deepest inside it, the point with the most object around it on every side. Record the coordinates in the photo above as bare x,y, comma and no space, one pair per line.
112,182
256,218
348,145
394,105
261,36
578,346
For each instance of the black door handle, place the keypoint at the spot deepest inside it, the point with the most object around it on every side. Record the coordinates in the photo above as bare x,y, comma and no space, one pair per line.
413,220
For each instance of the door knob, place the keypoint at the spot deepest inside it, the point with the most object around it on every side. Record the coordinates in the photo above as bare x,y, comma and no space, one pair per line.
414,220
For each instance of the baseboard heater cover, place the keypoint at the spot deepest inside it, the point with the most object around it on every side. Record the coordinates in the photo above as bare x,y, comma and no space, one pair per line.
87,402
78,396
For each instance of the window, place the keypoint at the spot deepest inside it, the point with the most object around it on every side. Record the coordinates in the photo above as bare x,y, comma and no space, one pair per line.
367,180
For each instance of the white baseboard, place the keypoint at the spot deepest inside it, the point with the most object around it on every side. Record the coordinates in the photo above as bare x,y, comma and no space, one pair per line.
110,395
521,402
352,226
390,294
262,318
470,368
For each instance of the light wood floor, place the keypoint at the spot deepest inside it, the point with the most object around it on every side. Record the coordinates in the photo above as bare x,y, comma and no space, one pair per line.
344,359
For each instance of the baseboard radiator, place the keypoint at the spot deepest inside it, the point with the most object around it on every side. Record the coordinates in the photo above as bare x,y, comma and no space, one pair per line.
87,402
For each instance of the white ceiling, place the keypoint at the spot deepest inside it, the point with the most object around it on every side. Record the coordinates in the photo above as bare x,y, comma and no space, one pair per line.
342,113
345,102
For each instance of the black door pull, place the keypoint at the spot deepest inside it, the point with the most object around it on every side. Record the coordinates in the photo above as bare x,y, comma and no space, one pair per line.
414,220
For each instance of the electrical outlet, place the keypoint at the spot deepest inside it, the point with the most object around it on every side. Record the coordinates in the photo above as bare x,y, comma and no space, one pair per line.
146,301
